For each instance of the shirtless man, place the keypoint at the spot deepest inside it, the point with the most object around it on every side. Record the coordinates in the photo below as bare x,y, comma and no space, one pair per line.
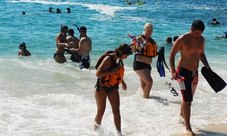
71,38
84,48
191,47
61,43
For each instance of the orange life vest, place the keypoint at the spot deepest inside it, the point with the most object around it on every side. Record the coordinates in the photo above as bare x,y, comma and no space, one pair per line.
150,48
114,78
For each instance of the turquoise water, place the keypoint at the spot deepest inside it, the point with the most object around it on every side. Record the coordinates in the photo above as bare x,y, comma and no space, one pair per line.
42,97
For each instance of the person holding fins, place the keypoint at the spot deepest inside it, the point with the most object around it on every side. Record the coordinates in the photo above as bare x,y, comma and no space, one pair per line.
23,51
191,48
110,73
145,48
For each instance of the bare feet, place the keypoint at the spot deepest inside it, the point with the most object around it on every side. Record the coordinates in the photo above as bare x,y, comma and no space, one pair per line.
96,126
190,133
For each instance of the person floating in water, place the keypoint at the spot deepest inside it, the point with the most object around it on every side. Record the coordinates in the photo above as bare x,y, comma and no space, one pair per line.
68,10
50,10
214,22
169,40
58,10
23,51
23,13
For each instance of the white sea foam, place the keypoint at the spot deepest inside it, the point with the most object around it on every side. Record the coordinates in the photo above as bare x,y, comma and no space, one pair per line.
41,97
45,98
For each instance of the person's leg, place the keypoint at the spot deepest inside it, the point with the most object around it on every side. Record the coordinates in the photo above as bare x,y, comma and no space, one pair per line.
145,80
115,104
186,110
100,97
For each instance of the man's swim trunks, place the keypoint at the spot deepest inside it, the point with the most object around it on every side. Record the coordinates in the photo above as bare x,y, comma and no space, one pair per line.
191,80
85,62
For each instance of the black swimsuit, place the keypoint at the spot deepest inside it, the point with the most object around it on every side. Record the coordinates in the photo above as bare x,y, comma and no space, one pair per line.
56,53
137,65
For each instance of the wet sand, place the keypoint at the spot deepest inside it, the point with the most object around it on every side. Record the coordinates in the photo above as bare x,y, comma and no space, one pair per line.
210,130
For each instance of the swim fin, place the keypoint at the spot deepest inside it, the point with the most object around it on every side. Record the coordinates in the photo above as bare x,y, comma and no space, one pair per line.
214,80
161,62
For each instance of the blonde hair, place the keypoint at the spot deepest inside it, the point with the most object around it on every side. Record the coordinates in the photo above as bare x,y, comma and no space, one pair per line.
146,26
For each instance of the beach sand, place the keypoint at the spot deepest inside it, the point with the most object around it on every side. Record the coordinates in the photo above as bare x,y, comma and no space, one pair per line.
210,130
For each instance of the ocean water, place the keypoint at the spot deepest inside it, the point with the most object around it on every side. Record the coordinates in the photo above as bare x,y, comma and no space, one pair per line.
40,97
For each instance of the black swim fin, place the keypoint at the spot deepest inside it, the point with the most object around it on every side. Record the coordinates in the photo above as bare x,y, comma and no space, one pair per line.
161,62
214,80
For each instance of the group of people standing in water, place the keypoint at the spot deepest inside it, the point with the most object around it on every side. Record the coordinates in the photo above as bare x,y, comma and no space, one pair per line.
191,48
78,48
110,70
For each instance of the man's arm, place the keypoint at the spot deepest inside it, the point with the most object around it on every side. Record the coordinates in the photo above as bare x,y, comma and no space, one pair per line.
80,47
176,47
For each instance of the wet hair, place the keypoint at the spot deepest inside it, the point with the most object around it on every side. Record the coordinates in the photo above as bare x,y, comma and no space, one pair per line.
214,19
64,28
168,40
83,29
198,25
68,10
71,31
175,38
124,48
58,10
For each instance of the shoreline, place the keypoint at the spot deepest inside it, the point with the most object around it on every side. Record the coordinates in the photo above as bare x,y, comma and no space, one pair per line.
209,130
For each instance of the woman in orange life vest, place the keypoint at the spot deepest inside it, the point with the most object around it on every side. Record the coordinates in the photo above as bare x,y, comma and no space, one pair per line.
145,48
110,74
